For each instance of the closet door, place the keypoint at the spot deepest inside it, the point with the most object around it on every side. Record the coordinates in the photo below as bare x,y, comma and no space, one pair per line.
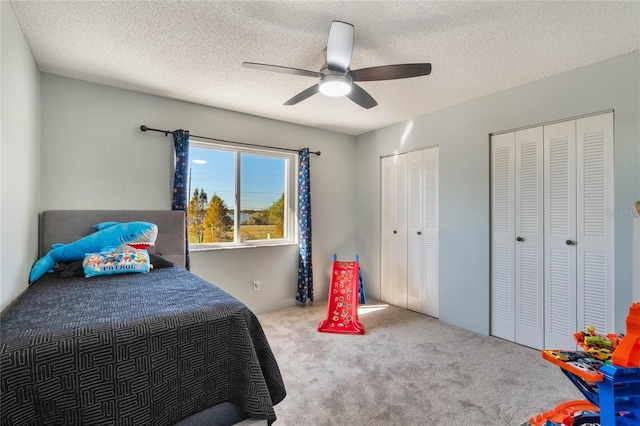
414,232
430,233
529,236
560,235
552,232
595,249
400,231
386,231
503,236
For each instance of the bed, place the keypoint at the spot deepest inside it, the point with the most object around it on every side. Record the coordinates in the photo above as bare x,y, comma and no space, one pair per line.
159,348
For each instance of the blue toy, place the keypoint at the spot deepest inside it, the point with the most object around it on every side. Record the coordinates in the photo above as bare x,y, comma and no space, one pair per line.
137,235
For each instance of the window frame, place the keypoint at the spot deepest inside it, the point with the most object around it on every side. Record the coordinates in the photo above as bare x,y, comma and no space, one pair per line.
290,196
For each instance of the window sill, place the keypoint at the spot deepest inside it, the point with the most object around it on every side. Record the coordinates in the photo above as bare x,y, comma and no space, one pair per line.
216,247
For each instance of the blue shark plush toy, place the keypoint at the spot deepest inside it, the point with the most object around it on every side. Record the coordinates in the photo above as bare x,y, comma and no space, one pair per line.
138,235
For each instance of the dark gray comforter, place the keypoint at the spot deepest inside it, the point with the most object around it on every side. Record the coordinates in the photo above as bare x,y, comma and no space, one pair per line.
138,349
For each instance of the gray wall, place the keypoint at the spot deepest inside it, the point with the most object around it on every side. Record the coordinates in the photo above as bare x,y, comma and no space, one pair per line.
19,157
462,132
95,157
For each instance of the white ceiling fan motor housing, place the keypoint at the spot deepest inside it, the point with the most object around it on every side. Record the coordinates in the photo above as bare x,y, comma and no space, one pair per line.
335,84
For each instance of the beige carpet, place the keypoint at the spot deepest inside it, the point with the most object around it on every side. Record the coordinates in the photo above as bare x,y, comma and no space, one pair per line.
408,369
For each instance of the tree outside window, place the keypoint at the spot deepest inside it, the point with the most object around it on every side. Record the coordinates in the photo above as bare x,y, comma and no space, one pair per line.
196,214
218,225
241,196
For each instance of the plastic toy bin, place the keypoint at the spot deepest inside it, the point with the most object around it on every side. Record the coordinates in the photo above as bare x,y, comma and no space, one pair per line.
619,393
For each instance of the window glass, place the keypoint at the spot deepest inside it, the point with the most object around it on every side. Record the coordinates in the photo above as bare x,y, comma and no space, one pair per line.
262,189
257,184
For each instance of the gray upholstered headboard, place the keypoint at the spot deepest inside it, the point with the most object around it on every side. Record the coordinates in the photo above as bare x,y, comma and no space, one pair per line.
65,226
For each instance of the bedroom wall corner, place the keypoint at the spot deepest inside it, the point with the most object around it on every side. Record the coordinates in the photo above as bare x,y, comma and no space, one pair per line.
19,157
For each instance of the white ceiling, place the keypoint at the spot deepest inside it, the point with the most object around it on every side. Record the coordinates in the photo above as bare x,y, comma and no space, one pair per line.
193,50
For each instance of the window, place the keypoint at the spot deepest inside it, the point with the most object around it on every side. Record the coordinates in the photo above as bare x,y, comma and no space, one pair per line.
240,196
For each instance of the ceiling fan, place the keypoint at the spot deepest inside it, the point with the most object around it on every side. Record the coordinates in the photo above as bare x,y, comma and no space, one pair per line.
336,78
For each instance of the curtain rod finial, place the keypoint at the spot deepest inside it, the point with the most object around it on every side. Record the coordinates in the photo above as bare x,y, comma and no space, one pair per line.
144,128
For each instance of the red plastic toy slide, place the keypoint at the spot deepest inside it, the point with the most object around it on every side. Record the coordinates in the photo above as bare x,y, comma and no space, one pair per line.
342,309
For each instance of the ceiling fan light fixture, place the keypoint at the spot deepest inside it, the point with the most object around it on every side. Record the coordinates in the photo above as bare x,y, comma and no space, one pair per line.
335,85
336,78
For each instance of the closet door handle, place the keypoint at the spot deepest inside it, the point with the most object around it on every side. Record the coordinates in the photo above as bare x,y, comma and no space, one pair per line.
395,232
419,233
519,239
570,243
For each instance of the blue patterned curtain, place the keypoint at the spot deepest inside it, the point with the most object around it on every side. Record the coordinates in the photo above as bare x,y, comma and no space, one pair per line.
180,196
305,268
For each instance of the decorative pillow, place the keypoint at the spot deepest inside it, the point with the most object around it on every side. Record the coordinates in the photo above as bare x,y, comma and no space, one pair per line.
159,262
76,269
116,262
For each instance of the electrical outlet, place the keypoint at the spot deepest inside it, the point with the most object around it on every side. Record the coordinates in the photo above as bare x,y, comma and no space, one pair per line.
256,286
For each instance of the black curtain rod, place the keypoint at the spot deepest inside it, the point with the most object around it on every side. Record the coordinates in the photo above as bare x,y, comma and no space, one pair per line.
167,132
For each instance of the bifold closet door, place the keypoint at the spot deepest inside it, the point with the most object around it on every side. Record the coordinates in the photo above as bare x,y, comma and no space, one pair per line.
560,234
415,237
400,230
409,252
423,235
394,228
503,236
518,237
595,225
579,274
529,227
552,232
431,234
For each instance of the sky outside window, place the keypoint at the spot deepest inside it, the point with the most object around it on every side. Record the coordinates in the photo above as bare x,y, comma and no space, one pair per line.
215,176
261,181
262,178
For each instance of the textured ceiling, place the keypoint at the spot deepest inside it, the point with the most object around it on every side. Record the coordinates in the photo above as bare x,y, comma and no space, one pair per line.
193,51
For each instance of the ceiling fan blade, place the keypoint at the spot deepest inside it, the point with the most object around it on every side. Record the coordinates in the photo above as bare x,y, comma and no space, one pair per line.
306,93
339,46
361,97
391,72
283,70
